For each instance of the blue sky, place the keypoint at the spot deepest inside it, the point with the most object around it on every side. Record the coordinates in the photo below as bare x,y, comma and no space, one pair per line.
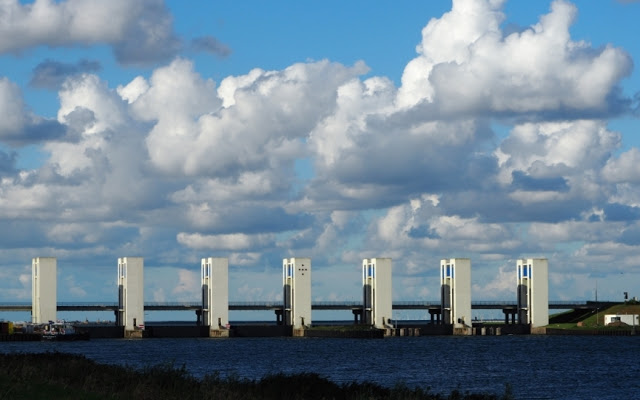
336,130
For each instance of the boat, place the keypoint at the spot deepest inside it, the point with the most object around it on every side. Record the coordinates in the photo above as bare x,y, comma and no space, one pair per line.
62,331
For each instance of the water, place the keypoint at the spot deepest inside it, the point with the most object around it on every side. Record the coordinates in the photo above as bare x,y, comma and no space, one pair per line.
537,367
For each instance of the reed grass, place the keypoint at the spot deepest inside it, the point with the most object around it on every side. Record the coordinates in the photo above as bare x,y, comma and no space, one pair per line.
68,376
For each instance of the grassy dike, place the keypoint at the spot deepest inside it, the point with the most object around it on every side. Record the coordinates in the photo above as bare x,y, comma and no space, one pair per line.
67,376
583,320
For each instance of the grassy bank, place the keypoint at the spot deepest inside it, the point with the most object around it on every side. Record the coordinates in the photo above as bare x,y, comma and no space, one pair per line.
593,319
66,376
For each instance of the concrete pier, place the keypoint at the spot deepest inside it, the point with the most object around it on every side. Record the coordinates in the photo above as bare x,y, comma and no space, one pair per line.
296,282
131,295
510,315
44,280
455,287
377,291
435,314
533,291
215,295
487,330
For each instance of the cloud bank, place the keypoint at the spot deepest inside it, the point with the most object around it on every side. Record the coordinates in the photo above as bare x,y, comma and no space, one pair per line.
139,32
318,160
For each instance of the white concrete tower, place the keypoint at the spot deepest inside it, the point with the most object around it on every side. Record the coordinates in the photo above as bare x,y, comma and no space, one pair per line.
377,292
44,302
130,293
215,292
455,286
533,291
296,280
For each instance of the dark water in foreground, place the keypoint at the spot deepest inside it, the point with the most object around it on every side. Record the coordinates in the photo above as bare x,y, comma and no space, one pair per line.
537,367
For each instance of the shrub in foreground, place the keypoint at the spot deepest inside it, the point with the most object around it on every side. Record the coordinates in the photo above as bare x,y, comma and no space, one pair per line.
67,376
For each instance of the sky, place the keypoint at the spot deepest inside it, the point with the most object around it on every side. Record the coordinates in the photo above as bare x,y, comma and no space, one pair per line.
487,129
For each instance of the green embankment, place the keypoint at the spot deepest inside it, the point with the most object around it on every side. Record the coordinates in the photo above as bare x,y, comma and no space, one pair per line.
65,376
590,319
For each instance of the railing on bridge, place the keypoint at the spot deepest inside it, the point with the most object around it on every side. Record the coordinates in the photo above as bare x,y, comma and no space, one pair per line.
172,305
336,305
415,305
274,305
569,303
561,305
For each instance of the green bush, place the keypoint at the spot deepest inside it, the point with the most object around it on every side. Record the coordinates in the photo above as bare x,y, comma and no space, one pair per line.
66,376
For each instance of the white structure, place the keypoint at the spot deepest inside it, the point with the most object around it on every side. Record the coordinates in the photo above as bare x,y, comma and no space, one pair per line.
296,280
377,292
131,293
533,291
629,319
215,292
455,291
44,280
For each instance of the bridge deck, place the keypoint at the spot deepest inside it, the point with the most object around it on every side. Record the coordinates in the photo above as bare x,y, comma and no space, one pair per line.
320,305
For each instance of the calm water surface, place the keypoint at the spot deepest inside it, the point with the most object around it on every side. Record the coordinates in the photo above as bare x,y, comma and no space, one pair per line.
537,367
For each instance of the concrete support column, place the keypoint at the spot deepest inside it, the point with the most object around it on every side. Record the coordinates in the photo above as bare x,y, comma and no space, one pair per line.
377,288
296,284
357,316
533,291
131,293
278,316
215,292
435,314
509,315
43,289
455,291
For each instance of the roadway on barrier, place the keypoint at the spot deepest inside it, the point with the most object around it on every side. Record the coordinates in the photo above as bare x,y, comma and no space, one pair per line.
319,305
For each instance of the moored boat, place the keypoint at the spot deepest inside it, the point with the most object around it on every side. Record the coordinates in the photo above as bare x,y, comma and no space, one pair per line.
62,331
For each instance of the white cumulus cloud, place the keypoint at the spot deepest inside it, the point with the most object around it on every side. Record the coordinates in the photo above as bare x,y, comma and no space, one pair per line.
139,31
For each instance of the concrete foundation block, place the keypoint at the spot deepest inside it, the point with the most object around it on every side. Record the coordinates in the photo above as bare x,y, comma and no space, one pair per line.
219,333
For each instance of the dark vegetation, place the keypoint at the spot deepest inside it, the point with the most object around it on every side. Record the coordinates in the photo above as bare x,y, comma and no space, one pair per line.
66,376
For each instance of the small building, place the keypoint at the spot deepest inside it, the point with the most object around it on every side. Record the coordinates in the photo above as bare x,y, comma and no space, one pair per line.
130,293
629,319
44,278
533,291
296,282
377,292
215,292
455,292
